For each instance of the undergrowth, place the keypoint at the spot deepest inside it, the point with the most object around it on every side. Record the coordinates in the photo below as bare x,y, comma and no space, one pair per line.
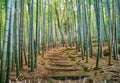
72,58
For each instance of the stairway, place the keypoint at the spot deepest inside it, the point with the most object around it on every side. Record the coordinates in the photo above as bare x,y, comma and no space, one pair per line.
62,68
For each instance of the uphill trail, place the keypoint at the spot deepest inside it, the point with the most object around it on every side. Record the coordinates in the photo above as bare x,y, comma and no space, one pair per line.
66,64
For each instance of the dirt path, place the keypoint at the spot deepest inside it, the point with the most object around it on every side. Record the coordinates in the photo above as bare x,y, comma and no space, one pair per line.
62,68
70,58
66,62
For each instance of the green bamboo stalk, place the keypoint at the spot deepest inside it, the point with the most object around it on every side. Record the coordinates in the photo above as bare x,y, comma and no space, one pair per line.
97,13
32,33
55,34
118,8
114,29
51,17
85,31
21,34
66,27
43,27
79,23
104,25
37,31
101,29
107,7
29,42
89,30
79,26
10,42
72,24
29,50
59,26
4,54
49,25
0,29
17,39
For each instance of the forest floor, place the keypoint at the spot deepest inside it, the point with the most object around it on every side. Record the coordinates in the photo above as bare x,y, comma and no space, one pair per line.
68,62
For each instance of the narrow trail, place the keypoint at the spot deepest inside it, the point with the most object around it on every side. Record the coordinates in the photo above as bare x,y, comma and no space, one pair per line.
61,67
66,65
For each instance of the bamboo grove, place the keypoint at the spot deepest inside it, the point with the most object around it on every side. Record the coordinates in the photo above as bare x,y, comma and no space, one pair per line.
30,27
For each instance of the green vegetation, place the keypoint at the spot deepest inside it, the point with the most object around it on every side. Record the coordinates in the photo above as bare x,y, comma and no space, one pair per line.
85,68
72,57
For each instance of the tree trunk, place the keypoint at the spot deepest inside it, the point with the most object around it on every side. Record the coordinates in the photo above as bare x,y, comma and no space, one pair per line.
6,32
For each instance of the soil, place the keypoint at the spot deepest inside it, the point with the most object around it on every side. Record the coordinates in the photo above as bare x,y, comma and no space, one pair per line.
57,61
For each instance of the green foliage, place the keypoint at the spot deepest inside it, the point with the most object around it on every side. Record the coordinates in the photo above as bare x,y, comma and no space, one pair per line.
43,64
85,69
95,74
72,58
50,80
3,4
78,63
26,1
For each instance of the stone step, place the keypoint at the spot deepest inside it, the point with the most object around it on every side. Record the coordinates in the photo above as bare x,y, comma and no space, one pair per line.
60,55
81,80
115,76
76,77
67,81
58,61
55,58
115,79
114,71
61,64
13,78
67,73
62,69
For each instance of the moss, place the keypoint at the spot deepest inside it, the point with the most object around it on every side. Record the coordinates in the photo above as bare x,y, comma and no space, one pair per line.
86,69
95,74
72,58
106,52
43,64
67,49
70,49
77,63
50,80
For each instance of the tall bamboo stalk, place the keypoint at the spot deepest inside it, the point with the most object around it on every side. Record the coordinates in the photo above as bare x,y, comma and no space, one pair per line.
107,7
97,13
21,38
0,29
89,29
43,27
32,33
17,39
118,7
6,32
79,24
59,26
37,32
114,29
10,42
